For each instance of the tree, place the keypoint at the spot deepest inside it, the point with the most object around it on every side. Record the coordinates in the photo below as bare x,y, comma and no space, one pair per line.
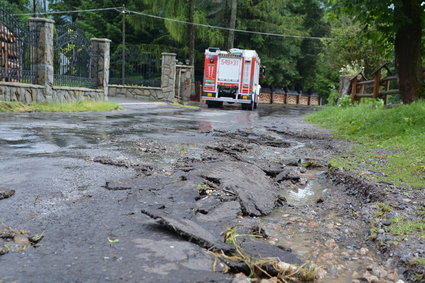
17,6
400,22
232,23
350,46
279,54
310,49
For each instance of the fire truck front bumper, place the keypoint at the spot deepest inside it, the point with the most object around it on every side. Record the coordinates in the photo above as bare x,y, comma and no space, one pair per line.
226,99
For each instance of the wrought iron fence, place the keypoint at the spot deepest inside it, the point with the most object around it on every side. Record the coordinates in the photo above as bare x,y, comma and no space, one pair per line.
138,68
17,48
73,58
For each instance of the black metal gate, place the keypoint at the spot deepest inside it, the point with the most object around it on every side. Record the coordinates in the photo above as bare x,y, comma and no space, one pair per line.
17,47
137,68
73,58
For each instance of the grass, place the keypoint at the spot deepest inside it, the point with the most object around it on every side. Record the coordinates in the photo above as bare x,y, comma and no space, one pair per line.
79,106
401,226
389,142
185,106
382,209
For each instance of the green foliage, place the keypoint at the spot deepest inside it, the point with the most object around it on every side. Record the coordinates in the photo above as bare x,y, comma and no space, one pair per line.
353,50
16,6
352,69
391,25
345,101
399,132
333,97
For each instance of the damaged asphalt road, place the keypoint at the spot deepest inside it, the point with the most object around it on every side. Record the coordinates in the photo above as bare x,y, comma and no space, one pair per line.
146,195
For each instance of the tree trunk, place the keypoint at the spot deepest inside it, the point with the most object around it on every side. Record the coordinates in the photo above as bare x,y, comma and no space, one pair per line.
191,32
408,49
232,23
34,8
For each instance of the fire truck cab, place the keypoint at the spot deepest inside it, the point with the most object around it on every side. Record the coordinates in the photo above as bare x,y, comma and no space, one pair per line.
231,76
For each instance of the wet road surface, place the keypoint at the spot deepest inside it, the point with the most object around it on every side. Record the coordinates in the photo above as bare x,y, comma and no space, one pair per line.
95,235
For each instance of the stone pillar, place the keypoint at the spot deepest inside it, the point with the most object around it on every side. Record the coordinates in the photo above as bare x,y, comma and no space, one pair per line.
168,76
183,83
101,49
42,59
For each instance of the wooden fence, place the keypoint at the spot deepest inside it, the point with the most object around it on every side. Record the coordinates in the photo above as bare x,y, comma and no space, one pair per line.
280,96
379,87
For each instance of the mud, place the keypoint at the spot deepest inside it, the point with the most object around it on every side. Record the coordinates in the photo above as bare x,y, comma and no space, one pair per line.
142,195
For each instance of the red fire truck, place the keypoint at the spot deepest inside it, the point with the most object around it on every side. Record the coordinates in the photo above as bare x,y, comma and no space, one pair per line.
231,76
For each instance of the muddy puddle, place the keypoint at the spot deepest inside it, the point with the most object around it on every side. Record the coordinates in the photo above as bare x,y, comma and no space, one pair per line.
309,232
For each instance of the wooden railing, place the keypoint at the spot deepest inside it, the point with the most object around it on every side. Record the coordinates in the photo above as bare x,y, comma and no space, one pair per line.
380,86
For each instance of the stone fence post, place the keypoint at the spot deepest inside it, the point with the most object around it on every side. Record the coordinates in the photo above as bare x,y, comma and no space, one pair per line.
42,59
168,75
183,83
101,61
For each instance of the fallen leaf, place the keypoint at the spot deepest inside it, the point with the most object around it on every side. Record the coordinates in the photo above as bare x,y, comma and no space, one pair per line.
113,241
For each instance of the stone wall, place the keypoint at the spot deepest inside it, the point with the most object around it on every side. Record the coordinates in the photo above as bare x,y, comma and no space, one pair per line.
139,92
73,94
26,93
42,64
44,89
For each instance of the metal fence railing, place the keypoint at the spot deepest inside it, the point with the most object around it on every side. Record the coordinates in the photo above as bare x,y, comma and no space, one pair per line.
138,68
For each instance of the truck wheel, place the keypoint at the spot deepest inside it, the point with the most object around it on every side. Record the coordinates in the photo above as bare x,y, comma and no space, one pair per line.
210,104
255,105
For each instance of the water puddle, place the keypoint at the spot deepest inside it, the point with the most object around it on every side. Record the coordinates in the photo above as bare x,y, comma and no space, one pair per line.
314,233
308,194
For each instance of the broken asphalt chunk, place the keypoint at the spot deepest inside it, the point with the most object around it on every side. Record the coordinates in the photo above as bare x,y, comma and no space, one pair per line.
190,231
6,193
